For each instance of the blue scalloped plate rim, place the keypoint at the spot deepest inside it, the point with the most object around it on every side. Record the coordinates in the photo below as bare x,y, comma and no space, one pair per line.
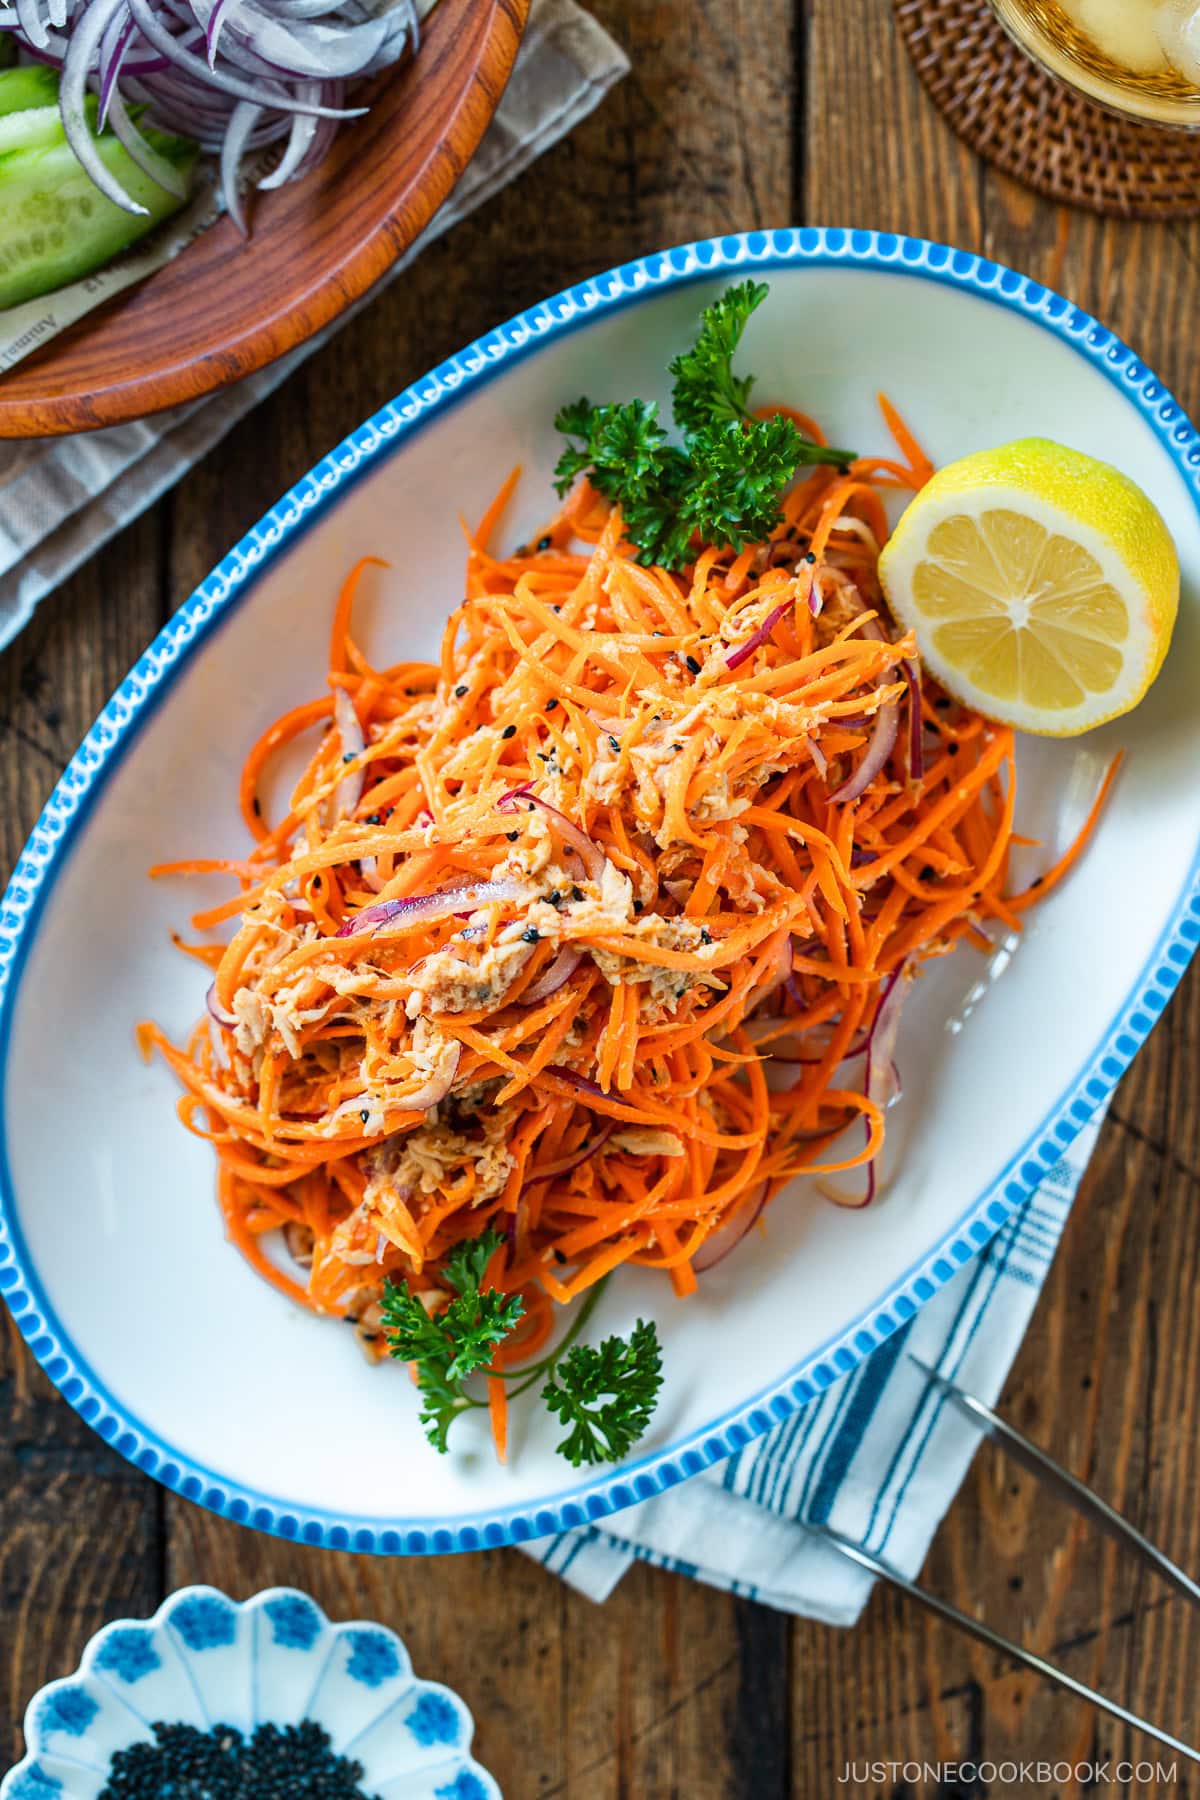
229,585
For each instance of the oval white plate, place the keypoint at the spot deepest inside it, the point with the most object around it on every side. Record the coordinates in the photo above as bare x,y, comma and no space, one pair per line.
204,1660
113,1259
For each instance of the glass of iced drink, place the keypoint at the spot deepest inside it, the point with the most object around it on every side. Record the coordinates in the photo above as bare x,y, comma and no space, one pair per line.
1137,57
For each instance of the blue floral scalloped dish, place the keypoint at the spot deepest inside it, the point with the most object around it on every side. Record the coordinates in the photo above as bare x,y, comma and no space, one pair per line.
204,1660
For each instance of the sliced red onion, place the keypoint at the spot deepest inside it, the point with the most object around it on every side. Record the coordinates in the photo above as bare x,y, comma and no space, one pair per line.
816,599
348,792
216,1010
881,743
727,1237
819,757
156,33
33,26
556,976
242,120
425,909
565,1164
89,29
143,154
916,748
881,1081
300,140
593,857
737,657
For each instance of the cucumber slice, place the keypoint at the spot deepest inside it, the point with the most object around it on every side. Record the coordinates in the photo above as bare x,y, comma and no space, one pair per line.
31,129
21,89
55,226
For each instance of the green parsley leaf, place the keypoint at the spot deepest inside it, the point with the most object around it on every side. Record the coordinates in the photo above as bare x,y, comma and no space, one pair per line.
707,392
455,1342
724,483
606,1396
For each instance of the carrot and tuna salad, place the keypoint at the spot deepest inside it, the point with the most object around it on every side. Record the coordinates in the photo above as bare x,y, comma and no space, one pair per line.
574,948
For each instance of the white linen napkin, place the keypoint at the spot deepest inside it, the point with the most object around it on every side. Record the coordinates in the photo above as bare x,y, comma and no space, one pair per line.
879,1457
61,498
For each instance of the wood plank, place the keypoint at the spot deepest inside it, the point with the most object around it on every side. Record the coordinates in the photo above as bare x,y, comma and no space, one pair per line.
80,1530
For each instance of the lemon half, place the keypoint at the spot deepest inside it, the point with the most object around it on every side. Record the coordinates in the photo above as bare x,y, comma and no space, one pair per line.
1042,585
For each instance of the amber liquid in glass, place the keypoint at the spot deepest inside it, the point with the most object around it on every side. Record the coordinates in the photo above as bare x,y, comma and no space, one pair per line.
1143,55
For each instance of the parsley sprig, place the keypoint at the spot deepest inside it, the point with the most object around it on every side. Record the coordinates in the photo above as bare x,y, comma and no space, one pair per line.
607,1396
725,481
454,1343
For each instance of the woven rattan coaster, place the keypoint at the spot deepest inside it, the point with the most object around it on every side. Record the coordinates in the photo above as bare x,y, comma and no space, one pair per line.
1039,131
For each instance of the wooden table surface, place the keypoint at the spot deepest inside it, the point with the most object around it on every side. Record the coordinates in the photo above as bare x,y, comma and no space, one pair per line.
739,113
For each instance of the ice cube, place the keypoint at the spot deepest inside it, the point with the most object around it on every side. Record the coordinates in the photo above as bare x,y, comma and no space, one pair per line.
1123,29
1177,27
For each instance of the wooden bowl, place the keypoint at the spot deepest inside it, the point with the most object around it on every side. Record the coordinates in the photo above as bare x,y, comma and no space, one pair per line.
227,306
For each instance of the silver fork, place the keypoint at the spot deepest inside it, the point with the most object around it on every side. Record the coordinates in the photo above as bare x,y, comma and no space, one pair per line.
1085,1501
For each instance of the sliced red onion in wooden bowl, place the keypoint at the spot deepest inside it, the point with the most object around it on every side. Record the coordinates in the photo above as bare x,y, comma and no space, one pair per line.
236,75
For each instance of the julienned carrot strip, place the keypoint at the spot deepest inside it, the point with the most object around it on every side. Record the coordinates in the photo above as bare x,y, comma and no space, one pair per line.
1043,884
588,890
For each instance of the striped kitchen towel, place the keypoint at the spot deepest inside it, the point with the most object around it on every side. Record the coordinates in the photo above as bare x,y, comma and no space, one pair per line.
879,1456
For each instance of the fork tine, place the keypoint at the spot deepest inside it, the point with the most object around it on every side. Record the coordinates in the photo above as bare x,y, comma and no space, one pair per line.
1044,1467
984,1633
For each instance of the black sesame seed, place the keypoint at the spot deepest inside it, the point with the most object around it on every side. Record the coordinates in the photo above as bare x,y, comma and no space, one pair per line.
277,1763
693,665
577,893
943,703
544,543
460,690
531,935
615,745
556,608
541,756
677,746
364,1115
348,755
554,897
373,819
550,705
559,1257
810,558
705,935
510,731
512,836
952,749
928,872
639,906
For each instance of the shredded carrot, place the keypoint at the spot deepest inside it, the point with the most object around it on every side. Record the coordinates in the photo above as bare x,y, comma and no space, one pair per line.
621,779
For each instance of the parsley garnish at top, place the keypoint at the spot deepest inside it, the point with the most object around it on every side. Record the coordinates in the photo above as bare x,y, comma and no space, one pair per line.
724,483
